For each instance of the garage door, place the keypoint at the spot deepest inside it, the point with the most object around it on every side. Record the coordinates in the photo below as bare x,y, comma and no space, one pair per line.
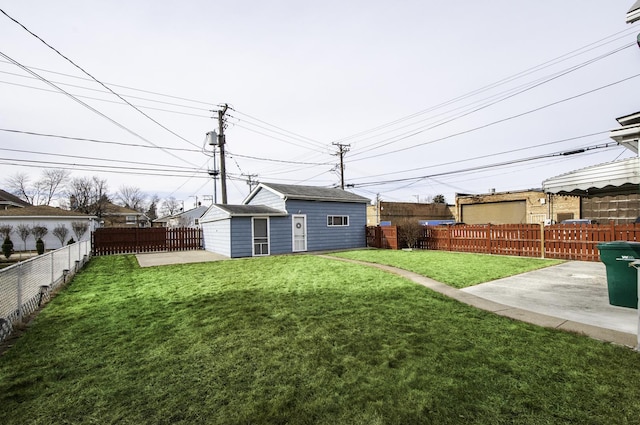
512,212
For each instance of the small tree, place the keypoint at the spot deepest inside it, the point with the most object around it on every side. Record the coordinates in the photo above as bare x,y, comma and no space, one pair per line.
409,233
7,247
60,232
39,232
5,230
79,228
23,231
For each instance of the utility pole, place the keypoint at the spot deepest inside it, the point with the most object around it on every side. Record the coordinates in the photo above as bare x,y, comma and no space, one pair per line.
342,149
250,181
213,172
221,142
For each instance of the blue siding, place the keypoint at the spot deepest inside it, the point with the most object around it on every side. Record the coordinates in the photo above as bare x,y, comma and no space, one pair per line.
267,198
235,233
241,242
322,237
281,238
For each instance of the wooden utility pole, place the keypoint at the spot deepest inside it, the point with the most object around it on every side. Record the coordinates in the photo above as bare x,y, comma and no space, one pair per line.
221,141
342,149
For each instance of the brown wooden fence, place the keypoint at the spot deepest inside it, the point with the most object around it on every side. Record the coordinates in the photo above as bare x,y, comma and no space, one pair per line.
385,237
569,242
107,241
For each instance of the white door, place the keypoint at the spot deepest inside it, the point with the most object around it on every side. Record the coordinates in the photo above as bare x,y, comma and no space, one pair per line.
299,233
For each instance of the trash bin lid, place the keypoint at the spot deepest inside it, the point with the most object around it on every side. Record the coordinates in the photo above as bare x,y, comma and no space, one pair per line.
620,245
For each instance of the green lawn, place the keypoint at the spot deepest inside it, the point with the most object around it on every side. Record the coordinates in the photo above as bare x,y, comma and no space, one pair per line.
297,340
456,269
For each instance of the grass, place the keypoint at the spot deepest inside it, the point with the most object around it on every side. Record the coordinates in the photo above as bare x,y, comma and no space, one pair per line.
297,340
456,269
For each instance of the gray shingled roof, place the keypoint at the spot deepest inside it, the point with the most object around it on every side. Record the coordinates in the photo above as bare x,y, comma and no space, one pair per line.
41,211
10,199
314,193
236,210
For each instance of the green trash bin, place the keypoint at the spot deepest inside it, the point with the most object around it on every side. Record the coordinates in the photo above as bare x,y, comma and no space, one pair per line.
622,280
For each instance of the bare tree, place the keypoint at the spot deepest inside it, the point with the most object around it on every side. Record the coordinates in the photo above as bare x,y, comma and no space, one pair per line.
50,185
40,192
38,231
60,232
79,228
23,231
19,185
88,195
131,197
170,206
5,230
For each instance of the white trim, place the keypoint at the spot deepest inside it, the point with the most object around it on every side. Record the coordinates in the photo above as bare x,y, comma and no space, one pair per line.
253,245
293,232
338,225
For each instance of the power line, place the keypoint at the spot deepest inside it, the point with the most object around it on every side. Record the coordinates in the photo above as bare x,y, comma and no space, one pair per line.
488,166
91,108
308,139
208,104
490,155
97,159
81,139
104,169
507,95
516,76
500,120
105,91
92,77
103,100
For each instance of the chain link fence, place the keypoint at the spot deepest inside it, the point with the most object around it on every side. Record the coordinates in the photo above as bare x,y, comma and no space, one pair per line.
28,284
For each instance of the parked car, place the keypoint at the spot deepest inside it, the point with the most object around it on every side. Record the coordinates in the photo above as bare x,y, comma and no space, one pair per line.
579,221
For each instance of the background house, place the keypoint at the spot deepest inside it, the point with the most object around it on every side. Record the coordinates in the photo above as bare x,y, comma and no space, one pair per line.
279,219
517,207
190,218
48,217
116,216
7,200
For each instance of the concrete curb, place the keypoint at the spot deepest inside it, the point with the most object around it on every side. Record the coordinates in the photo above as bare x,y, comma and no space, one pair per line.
595,332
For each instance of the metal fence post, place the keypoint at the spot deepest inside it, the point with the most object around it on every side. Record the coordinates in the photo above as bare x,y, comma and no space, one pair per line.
19,292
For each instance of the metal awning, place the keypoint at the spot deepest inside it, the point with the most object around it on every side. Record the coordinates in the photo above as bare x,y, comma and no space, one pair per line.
610,175
634,13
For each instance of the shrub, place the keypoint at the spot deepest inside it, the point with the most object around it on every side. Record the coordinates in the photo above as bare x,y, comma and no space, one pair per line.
40,246
7,247
409,233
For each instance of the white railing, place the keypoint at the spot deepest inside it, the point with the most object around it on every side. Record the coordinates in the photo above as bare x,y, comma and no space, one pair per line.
26,285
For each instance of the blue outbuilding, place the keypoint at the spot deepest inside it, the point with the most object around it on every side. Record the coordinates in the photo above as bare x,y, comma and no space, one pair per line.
281,219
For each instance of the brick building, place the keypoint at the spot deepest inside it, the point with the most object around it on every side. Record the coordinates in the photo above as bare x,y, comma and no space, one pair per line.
396,212
517,207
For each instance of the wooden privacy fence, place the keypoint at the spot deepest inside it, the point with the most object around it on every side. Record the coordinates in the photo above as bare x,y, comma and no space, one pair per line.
382,237
107,241
568,242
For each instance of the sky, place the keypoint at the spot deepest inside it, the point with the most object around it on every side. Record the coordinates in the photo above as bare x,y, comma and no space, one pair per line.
426,97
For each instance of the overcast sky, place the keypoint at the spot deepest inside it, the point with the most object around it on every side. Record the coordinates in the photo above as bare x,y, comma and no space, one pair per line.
420,91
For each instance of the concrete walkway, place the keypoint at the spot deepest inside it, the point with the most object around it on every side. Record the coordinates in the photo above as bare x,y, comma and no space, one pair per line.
571,297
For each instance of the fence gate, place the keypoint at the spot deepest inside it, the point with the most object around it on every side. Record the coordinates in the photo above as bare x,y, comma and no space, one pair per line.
106,241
